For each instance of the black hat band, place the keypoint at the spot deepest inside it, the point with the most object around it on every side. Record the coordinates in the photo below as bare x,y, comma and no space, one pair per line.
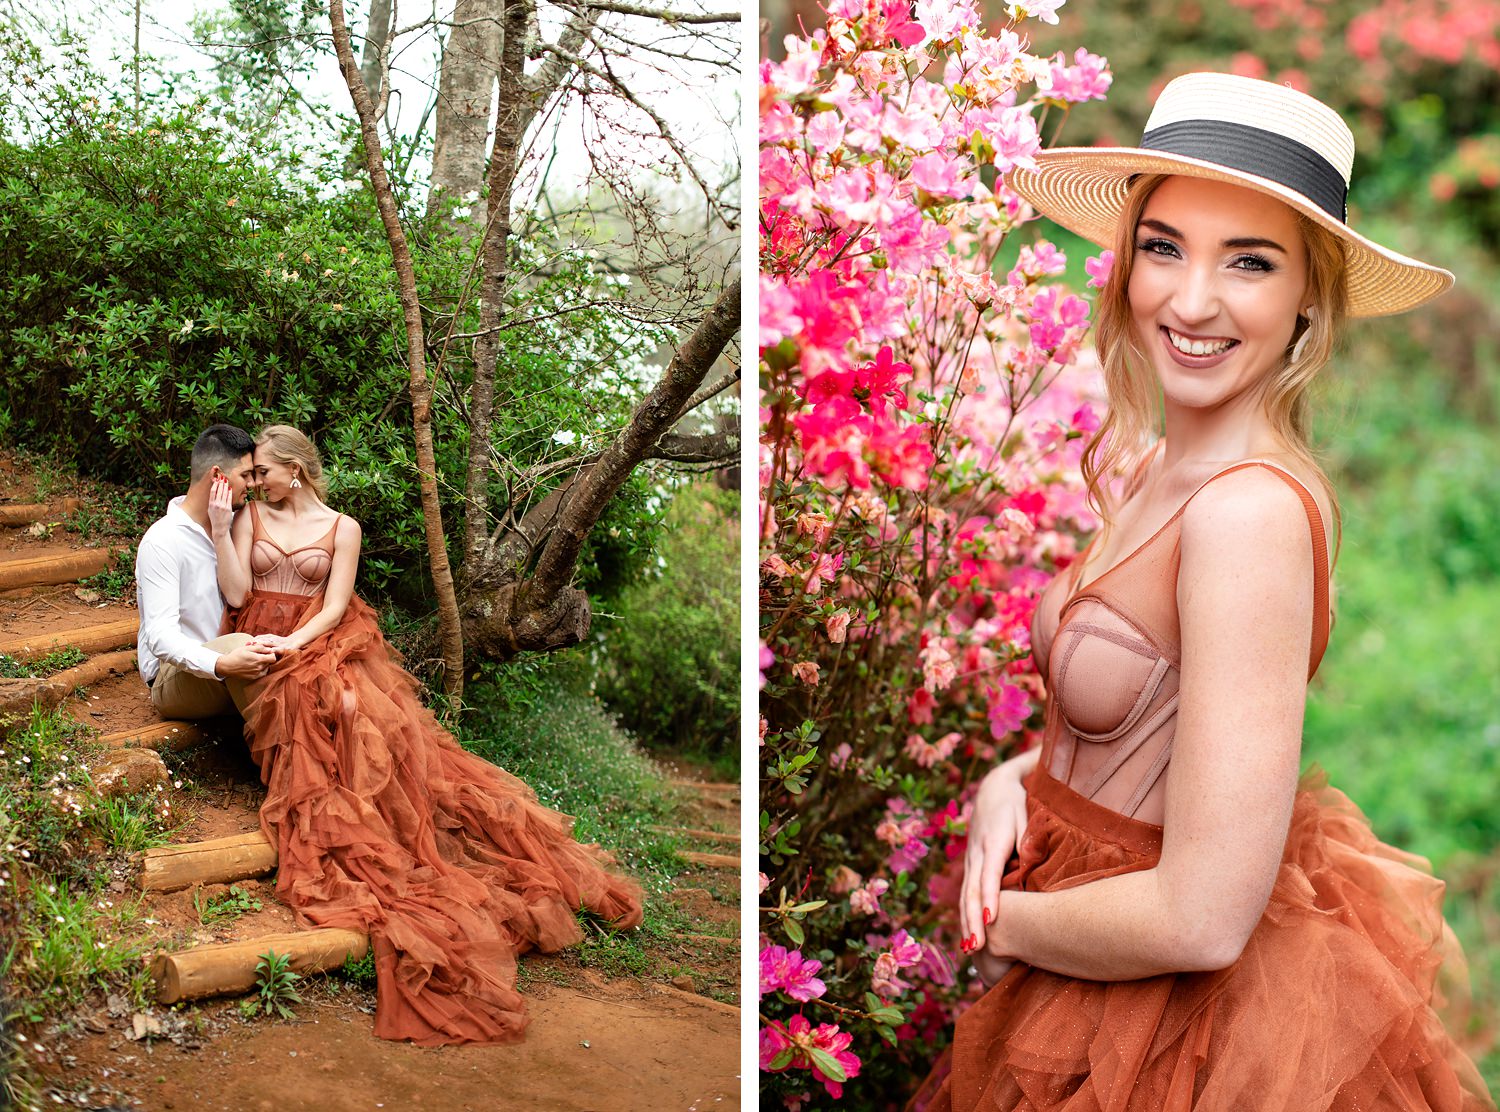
1252,150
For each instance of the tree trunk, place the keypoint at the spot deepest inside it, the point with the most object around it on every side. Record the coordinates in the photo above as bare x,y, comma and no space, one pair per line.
543,611
466,85
449,628
378,30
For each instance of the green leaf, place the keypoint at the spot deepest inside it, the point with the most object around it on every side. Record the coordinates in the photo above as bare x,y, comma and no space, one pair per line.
782,1060
794,931
831,1067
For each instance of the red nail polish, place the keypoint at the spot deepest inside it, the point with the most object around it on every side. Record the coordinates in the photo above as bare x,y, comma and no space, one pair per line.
986,916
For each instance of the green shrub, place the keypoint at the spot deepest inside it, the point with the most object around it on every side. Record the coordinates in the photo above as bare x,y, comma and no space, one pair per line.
669,667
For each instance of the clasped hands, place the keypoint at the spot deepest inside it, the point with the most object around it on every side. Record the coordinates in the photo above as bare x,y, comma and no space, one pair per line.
255,657
996,824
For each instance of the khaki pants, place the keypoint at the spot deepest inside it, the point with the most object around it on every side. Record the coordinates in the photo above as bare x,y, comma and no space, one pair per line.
178,693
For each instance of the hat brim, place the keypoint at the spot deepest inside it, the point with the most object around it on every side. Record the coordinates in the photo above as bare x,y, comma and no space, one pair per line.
1084,189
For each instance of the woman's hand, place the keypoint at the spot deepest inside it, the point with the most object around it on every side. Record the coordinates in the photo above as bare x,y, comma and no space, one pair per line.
997,823
989,967
220,507
274,642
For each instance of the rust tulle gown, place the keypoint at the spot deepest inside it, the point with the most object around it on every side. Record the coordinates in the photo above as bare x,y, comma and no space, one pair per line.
1330,1004
384,824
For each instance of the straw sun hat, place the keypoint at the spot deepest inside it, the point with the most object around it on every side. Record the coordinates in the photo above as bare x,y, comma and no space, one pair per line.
1256,134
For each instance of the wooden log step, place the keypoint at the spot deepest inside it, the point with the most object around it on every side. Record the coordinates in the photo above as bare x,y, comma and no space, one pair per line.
26,514
229,968
95,668
18,697
172,737
703,785
218,861
703,1001
712,860
690,832
718,939
64,567
88,639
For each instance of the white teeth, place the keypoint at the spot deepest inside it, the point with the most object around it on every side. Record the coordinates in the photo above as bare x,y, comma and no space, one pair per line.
1198,347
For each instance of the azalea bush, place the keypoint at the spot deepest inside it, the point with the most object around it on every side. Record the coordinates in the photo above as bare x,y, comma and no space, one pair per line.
925,401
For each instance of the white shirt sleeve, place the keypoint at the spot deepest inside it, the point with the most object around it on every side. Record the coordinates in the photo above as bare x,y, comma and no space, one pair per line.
159,597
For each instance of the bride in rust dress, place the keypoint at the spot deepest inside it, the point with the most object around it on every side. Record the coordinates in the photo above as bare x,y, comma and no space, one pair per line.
1169,916
381,821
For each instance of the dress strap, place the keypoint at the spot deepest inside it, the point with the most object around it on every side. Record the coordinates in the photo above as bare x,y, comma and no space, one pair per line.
1321,609
255,526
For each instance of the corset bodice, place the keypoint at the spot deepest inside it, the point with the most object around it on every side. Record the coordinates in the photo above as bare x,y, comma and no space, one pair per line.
302,571
1111,656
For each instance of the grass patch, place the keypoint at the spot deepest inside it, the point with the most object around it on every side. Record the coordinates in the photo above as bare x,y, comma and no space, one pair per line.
536,719
226,908
59,843
115,583
42,666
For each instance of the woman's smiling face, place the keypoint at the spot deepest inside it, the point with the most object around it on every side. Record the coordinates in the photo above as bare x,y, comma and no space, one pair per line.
1218,278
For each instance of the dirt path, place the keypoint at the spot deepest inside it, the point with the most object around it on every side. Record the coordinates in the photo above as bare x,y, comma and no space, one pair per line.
668,1039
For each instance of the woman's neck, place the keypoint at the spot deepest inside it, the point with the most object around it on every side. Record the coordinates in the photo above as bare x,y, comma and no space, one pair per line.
1238,429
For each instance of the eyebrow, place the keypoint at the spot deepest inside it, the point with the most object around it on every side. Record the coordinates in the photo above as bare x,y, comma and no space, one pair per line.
1236,243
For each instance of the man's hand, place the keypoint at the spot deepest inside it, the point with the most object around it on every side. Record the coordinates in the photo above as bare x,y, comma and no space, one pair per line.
220,507
248,662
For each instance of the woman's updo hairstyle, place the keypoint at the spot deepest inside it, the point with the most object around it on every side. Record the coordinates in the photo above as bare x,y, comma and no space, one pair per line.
1133,418
288,446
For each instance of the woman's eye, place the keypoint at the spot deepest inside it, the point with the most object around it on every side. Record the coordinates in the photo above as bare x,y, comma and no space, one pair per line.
1258,263
1164,247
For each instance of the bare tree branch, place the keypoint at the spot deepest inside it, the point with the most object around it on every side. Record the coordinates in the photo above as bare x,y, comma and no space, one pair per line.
666,15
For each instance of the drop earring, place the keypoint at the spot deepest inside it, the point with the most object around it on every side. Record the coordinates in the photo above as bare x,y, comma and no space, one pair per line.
1301,345
296,483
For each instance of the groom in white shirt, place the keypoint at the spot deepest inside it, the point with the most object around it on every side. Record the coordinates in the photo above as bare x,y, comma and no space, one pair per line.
192,671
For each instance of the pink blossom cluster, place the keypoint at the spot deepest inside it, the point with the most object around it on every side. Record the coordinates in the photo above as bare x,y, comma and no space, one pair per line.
783,970
902,952
790,1046
925,395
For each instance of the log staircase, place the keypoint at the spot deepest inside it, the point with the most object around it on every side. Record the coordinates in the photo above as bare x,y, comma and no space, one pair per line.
41,613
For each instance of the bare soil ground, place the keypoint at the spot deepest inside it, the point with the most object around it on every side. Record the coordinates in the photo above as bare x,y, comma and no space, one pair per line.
667,1039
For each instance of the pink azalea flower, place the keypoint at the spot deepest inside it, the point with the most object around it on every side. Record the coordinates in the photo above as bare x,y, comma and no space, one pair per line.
837,625
825,131
825,566
866,900
1009,707
1099,268
767,658
784,1048
1045,10
783,970
938,671
806,671
1087,79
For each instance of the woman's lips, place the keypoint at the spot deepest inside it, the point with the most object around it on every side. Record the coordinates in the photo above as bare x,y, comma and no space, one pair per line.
1219,348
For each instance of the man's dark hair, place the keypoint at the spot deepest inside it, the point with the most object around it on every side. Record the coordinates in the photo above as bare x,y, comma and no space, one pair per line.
219,446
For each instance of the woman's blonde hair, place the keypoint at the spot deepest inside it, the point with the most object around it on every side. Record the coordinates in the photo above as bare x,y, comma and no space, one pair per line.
1125,436
287,446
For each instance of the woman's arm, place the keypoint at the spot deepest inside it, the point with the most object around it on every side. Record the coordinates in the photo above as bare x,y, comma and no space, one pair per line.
231,535
1245,600
340,589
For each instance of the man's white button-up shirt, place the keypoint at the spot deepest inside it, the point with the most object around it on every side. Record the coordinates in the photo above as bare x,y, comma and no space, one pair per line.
177,590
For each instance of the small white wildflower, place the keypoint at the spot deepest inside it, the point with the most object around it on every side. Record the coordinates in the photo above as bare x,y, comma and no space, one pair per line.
565,437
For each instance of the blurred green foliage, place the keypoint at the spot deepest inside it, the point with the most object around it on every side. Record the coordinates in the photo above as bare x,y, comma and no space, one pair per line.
669,666
1404,713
